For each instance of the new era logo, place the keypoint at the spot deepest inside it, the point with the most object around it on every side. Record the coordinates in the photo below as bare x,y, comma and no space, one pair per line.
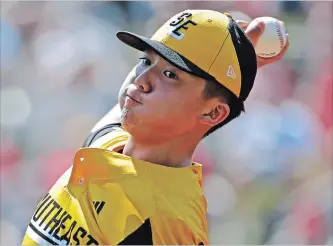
231,72
98,206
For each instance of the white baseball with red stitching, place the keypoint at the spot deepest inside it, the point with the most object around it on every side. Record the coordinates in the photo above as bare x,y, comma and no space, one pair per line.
273,39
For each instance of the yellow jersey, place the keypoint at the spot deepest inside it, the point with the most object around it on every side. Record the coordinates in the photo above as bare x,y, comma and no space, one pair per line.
109,198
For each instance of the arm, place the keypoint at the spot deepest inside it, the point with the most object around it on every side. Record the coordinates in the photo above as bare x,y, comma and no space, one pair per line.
112,117
109,122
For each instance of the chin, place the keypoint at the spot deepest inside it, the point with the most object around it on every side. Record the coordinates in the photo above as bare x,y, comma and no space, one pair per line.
127,119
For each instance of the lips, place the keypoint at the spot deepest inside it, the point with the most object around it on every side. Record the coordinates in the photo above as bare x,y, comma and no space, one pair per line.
133,98
133,93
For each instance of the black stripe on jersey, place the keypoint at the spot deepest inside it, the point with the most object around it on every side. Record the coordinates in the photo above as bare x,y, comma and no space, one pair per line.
42,235
99,209
96,205
142,236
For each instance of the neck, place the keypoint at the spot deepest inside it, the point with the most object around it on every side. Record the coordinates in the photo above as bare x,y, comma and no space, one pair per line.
175,153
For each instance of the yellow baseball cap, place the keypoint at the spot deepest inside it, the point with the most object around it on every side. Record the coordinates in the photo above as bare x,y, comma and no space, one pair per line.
207,44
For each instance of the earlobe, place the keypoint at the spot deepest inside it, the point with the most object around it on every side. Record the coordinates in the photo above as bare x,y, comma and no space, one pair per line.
216,115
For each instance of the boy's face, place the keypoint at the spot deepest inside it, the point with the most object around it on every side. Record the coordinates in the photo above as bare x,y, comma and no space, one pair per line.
161,100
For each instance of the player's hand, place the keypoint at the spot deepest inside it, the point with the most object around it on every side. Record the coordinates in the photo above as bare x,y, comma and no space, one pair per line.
254,34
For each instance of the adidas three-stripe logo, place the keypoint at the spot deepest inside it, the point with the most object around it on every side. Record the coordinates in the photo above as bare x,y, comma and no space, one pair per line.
98,206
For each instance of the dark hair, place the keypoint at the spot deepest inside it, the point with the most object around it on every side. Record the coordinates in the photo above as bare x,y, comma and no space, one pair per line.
214,89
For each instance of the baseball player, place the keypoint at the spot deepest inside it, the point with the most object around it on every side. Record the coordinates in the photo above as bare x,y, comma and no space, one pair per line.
134,181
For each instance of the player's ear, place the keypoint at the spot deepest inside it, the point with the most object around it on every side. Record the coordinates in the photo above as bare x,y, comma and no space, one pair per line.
215,114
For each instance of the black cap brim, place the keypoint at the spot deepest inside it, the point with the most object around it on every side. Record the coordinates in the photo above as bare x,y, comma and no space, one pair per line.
142,43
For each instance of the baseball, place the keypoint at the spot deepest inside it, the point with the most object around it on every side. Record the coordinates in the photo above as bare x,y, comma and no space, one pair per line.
273,39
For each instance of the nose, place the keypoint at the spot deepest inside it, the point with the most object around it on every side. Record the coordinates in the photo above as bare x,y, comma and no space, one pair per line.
143,81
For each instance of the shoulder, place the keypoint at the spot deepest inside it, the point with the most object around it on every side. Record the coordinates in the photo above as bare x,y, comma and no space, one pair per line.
111,138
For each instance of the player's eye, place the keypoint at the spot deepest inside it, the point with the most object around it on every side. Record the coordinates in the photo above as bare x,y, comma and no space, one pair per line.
170,74
145,61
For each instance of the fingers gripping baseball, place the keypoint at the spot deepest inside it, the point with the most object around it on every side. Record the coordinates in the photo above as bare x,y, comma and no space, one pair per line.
254,31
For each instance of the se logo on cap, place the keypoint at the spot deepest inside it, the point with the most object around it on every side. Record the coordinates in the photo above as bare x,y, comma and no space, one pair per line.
180,24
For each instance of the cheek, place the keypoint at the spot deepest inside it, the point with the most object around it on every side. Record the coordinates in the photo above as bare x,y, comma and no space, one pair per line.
129,80
175,106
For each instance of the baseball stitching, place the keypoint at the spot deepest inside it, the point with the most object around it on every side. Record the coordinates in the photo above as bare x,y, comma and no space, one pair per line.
278,30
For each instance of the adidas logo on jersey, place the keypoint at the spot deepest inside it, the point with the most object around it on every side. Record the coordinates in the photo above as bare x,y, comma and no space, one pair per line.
98,206
231,72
